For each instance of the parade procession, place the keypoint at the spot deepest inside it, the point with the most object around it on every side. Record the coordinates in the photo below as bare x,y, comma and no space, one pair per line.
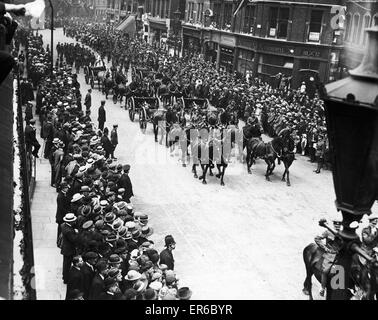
189,150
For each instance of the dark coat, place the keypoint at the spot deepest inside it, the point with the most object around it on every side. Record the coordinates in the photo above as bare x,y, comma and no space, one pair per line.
62,208
101,114
70,238
88,275
114,137
166,257
97,287
88,100
30,136
75,280
125,182
106,144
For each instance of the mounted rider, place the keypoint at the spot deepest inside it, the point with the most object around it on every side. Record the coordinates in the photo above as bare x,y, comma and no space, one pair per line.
331,246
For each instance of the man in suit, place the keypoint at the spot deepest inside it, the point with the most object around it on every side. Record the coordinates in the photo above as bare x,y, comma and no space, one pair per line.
63,204
166,256
88,272
101,116
70,238
125,182
98,285
31,141
88,101
75,276
114,140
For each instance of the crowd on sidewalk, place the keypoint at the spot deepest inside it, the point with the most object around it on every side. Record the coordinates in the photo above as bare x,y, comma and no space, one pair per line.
106,244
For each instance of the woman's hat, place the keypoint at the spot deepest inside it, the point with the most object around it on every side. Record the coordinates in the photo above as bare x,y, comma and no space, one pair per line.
132,275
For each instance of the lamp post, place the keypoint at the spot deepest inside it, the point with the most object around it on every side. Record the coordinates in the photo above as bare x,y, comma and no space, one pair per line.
351,107
52,38
177,15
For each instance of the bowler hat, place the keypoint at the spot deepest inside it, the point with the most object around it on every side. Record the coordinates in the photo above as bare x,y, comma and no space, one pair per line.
114,258
184,293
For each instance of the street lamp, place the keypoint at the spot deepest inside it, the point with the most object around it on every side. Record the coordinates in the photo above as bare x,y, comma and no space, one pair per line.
52,38
177,15
351,106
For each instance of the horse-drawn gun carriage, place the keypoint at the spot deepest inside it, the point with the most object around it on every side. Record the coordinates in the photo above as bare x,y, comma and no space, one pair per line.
145,107
95,73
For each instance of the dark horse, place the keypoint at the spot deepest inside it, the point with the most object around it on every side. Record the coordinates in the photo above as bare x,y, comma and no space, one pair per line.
278,148
362,275
208,153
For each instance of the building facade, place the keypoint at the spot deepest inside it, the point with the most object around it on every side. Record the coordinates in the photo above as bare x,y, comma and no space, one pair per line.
359,16
115,10
265,38
160,19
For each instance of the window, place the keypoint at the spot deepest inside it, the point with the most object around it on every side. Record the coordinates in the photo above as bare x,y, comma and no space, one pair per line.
217,14
315,25
309,64
278,22
200,13
272,30
249,19
348,23
365,26
355,26
375,21
227,15
283,22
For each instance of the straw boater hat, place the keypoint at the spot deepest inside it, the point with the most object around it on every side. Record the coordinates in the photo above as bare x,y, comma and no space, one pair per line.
69,217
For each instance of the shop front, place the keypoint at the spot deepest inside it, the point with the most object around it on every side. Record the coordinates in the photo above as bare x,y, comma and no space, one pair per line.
226,59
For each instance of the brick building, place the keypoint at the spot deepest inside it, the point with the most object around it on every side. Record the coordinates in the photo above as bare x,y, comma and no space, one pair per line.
159,19
264,38
359,16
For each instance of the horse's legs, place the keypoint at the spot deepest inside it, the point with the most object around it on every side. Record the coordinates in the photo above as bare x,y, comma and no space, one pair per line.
156,129
288,175
248,160
205,167
267,169
194,170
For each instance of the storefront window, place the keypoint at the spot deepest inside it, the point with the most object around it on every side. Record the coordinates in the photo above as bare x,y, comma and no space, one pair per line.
272,64
227,59
245,61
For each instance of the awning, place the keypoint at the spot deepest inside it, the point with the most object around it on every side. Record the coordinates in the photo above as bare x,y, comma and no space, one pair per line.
128,25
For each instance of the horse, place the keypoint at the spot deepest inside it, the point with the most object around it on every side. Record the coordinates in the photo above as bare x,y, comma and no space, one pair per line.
119,91
108,84
158,121
361,276
208,152
278,148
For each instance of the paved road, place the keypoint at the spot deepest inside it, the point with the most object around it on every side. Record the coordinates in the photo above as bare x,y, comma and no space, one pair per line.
241,241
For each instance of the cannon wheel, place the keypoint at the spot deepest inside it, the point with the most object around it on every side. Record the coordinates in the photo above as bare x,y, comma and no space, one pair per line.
142,120
131,107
